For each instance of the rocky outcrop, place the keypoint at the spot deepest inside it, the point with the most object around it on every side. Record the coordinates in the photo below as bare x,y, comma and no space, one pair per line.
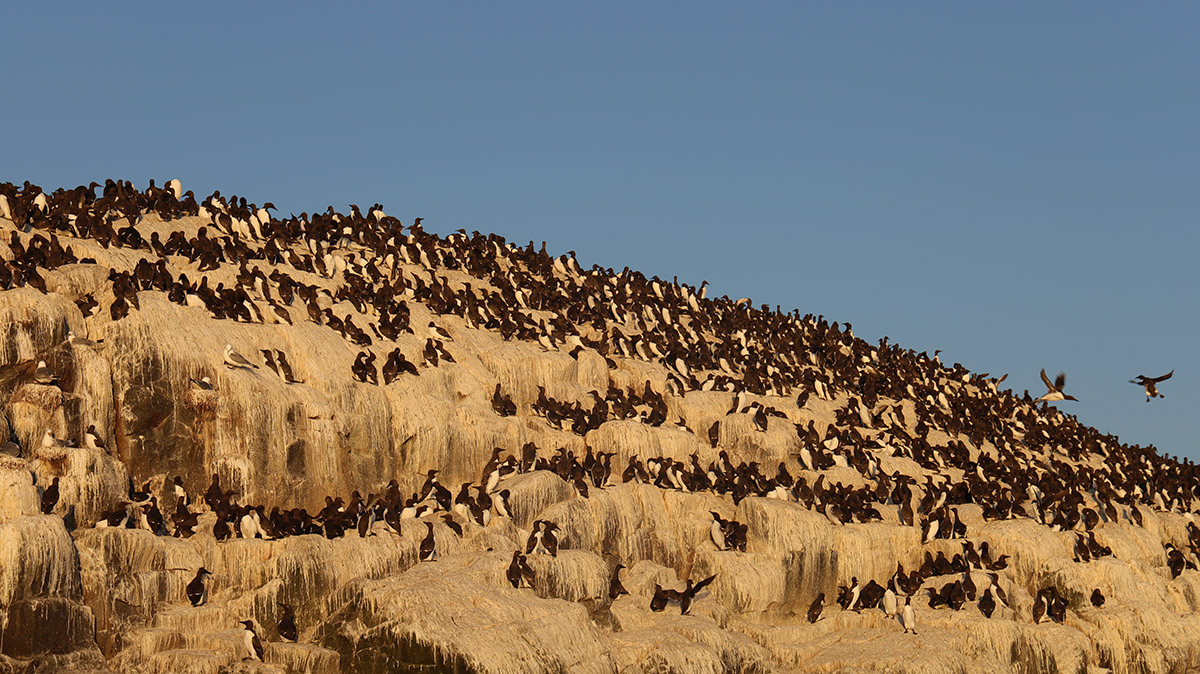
78,597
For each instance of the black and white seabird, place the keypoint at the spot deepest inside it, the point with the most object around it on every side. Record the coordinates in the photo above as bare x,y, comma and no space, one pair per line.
717,531
234,359
987,603
197,592
518,572
428,552
1151,384
908,617
287,624
254,647
814,611
91,439
889,601
438,332
181,497
1054,390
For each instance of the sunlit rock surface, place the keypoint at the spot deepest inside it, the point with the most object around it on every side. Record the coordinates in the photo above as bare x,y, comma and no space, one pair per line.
79,598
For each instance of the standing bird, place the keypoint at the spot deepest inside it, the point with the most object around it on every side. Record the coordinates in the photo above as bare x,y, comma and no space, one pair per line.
908,617
197,593
50,498
181,497
269,357
519,571
428,553
1150,384
1054,390
889,601
233,359
287,624
1039,608
254,647
814,611
286,368
1097,598
514,570
987,603
615,588
717,531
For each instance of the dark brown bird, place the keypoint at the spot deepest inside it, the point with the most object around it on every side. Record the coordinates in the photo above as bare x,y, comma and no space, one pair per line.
615,588
814,611
661,596
987,604
513,573
690,592
428,553
1151,384
1054,391
50,497
287,624
197,593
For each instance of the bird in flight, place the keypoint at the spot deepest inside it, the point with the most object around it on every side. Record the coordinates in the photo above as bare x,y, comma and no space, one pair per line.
1151,384
1054,389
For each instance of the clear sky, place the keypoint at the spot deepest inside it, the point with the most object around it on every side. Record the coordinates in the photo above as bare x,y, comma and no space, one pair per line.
1013,183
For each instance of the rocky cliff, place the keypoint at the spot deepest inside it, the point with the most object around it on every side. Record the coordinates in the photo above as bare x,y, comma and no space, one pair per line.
816,481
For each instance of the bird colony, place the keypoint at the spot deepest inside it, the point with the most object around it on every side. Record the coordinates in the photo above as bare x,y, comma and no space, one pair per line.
333,442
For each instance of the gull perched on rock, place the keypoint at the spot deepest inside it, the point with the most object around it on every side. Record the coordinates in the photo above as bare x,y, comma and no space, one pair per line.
1150,384
44,375
50,442
235,359
1054,390
76,340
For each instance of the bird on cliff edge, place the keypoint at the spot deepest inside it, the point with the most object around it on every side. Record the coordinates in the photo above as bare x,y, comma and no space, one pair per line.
50,498
50,442
254,647
814,611
428,552
203,383
75,340
197,592
615,588
91,439
1150,384
44,375
287,624
233,359
519,571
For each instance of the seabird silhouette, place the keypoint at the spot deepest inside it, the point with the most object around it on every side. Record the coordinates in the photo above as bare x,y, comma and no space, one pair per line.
1054,390
1151,384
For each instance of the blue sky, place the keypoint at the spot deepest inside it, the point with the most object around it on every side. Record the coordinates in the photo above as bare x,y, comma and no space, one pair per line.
1015,184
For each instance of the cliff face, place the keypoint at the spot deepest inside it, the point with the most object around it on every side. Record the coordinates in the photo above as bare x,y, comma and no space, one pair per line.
77,597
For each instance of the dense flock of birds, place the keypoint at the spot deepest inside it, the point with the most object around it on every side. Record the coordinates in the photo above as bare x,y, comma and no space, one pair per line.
1045,465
